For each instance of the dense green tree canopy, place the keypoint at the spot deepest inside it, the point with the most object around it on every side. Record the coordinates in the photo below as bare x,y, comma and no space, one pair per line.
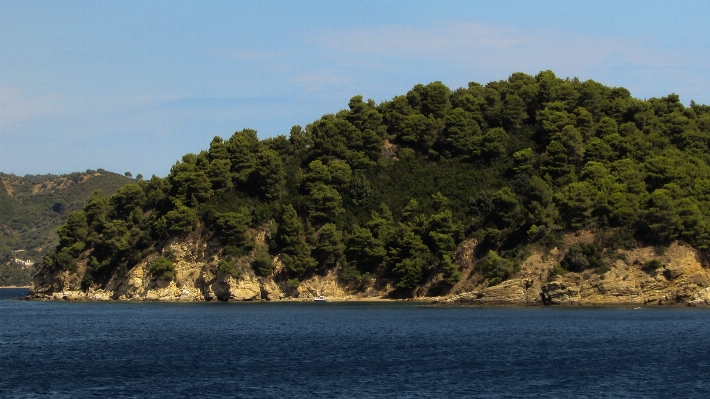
392,189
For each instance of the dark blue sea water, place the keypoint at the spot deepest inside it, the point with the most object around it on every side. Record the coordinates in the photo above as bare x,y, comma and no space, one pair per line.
348,350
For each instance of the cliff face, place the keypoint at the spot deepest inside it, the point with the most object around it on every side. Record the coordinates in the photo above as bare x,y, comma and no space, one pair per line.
196,279
680,280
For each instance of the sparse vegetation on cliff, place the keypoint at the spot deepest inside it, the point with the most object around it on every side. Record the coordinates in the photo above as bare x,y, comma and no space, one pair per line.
162,268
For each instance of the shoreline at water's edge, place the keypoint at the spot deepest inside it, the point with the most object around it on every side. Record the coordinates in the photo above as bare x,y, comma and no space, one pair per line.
14,286
572,305
289,300
434,301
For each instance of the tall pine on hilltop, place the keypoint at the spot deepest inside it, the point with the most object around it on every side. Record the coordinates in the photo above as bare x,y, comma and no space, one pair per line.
391,189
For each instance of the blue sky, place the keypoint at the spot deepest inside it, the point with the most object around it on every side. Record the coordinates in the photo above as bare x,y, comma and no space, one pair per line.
134,85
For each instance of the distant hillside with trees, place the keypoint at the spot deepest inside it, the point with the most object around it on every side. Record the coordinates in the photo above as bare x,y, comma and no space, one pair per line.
32,207
391,189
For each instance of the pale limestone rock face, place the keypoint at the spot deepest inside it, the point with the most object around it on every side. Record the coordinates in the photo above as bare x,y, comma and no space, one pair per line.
188,284
221,287
389,151
508,292
615,286
134,284
70,295
681,280
247,289
315,286
370,292
618,288
535,267
163,292
700,297
639,255
226,288
98,295
270,291
561,289
682,262
278,265
465,251
523,289
463,257
204,284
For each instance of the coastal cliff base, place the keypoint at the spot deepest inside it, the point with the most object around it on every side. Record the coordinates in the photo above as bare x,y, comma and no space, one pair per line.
679,279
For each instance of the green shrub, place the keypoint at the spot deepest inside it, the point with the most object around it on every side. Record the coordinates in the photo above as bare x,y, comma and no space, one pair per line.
557,270
65,261
159,227
410,272
228,267
232,226
660,250
617,238
616,255
87,280
551,240
263,264
405,153
292,284
76,249
582,256
181,220
232,252
170,254
452,275
162,268
605,267
653,264
495,268
73,268
349,273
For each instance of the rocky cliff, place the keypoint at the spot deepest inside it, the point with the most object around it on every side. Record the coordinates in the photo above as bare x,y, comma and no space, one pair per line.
197,278
678,278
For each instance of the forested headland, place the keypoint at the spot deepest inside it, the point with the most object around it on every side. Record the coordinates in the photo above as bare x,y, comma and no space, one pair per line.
390,190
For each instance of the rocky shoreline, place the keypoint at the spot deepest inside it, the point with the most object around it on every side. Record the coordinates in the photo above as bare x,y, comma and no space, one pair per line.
679,280
459,300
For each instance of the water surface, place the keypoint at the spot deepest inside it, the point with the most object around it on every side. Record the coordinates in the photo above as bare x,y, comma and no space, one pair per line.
348,350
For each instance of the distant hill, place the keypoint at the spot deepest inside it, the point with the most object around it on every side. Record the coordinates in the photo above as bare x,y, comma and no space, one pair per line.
31,209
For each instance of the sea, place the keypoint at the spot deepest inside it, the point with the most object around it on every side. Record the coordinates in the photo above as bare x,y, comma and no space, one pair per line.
348,350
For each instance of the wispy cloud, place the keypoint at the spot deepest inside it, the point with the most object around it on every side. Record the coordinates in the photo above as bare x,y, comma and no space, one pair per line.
320,80
16,106
494,49
241,54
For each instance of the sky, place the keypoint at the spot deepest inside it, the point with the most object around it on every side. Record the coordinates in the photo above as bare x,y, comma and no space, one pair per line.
134,85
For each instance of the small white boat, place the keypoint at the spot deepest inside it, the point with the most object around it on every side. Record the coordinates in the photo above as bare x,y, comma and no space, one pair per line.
320,299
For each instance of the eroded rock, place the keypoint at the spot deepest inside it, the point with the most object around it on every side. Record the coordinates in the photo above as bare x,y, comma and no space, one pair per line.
680,279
